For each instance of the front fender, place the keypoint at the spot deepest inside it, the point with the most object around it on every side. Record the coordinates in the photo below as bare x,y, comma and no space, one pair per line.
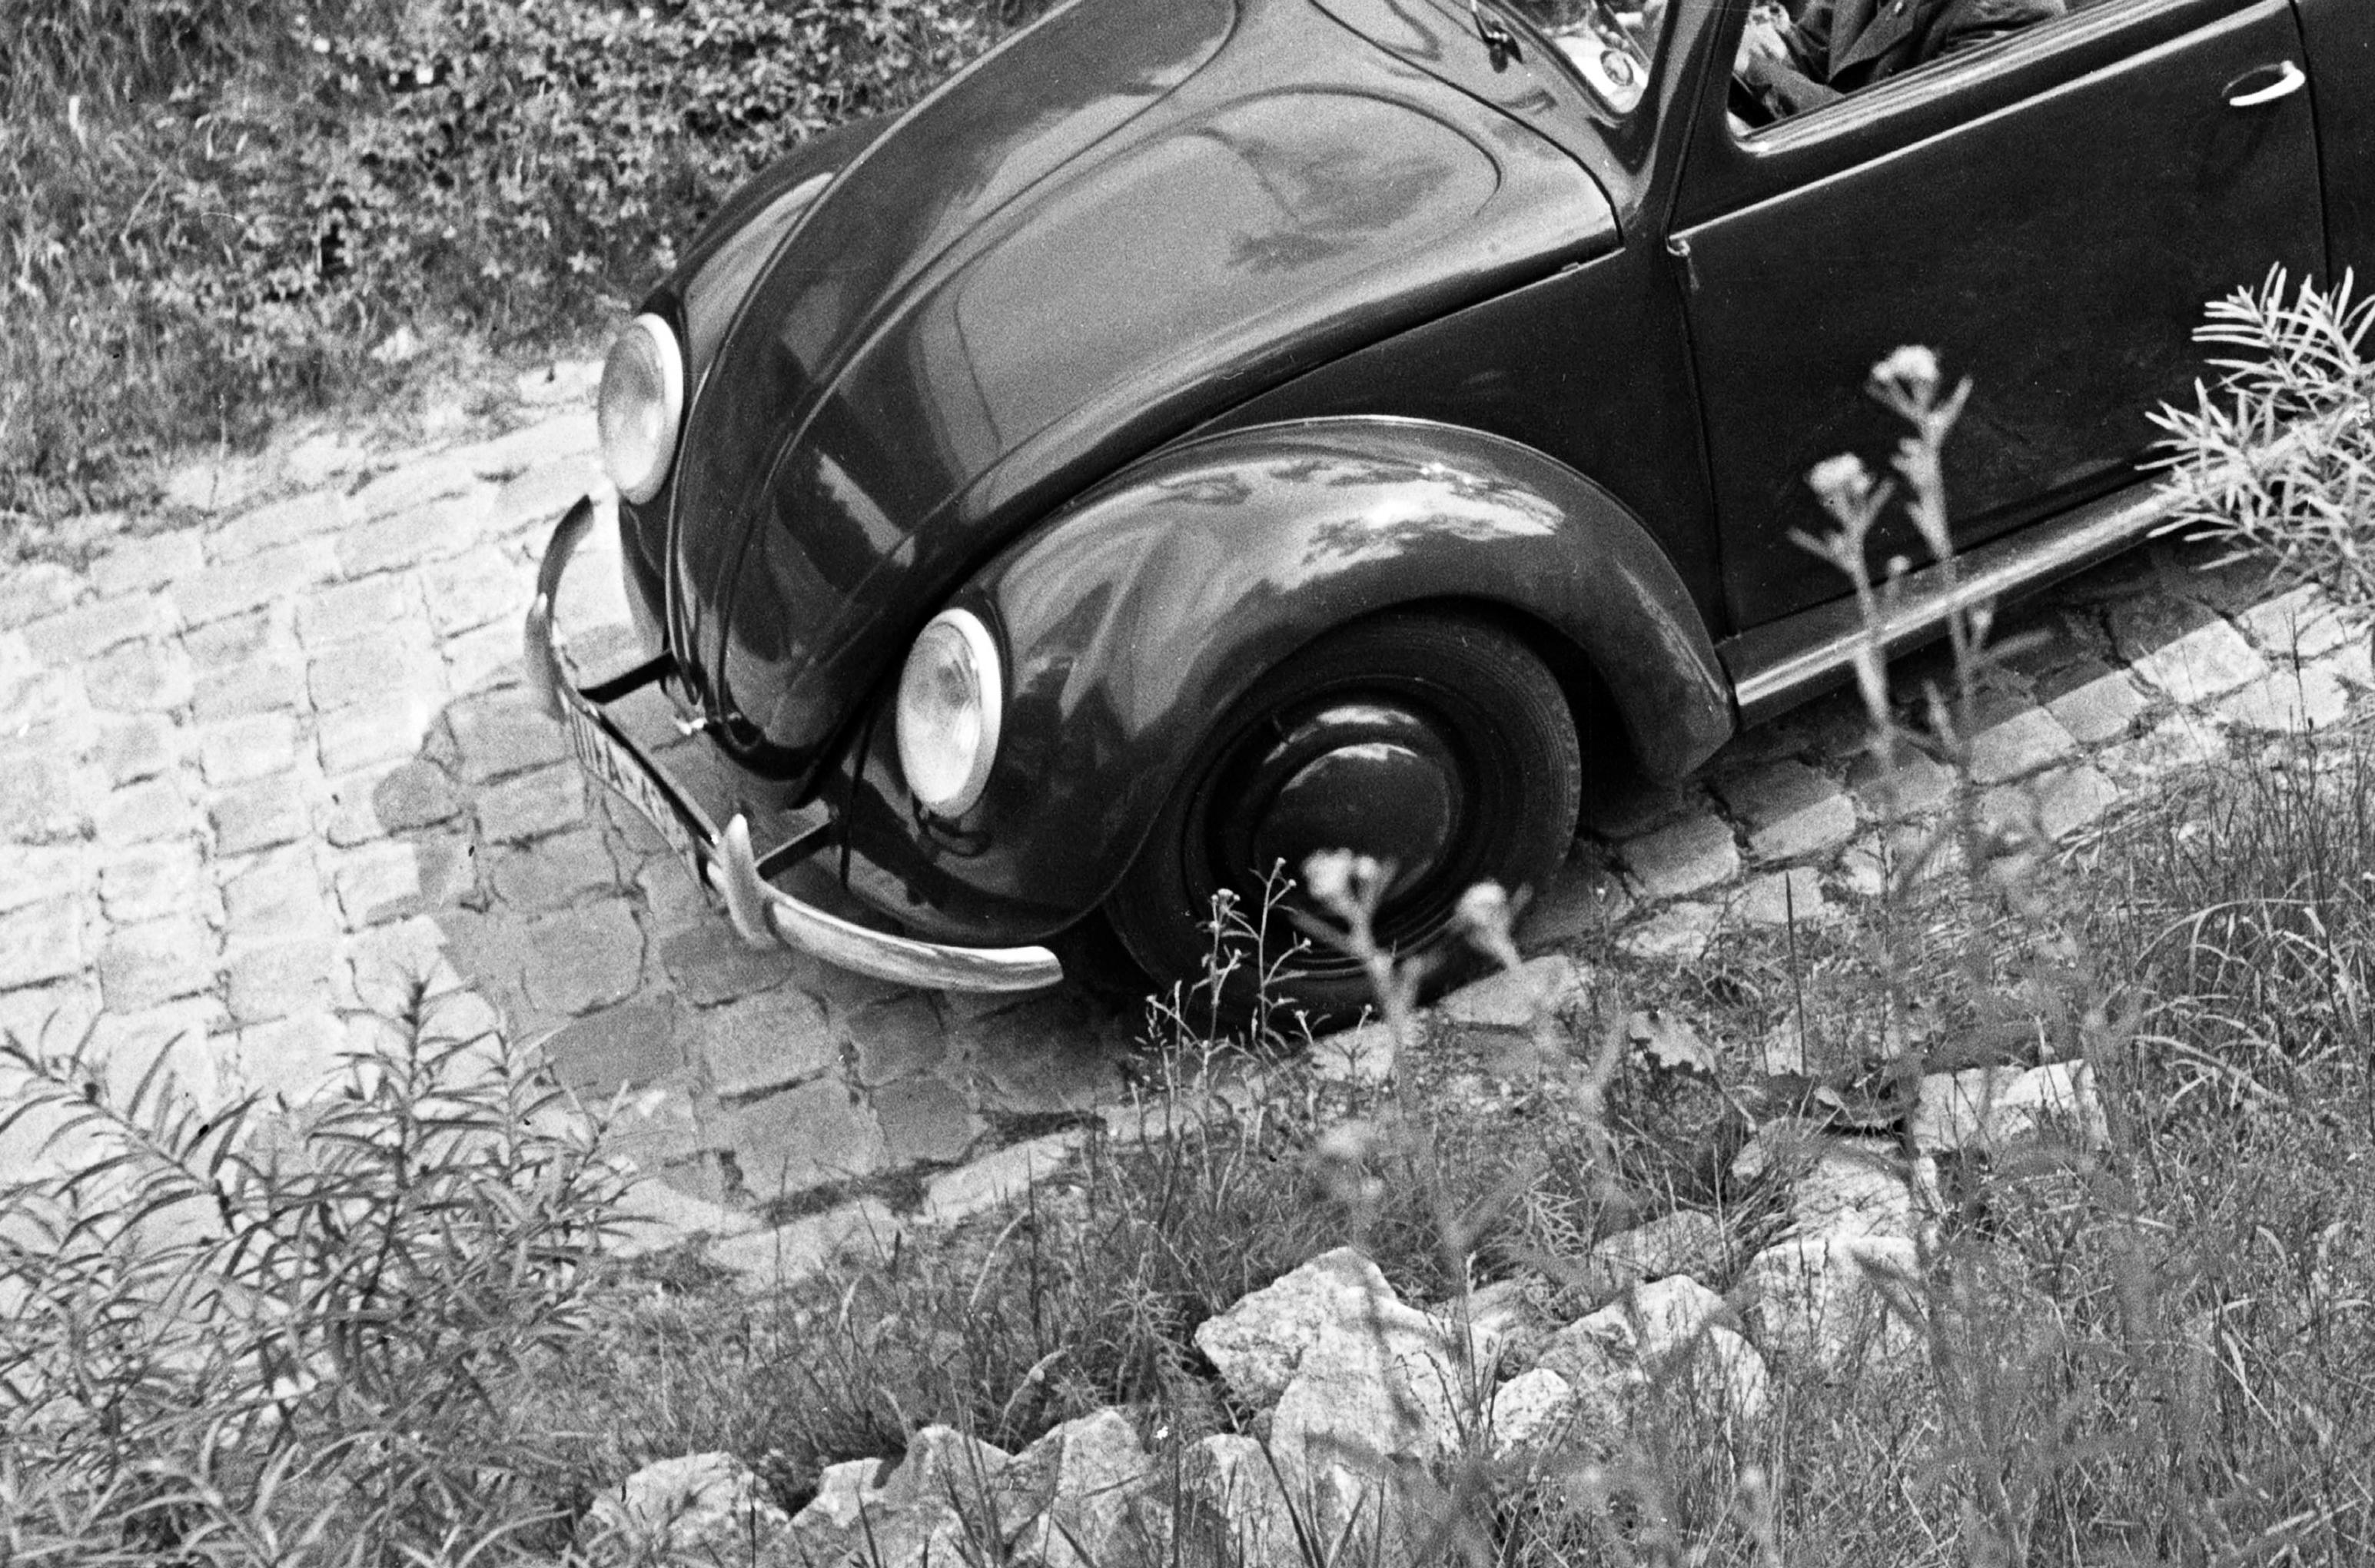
1132,620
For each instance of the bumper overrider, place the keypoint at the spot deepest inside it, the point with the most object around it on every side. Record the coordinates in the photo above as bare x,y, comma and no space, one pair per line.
722,860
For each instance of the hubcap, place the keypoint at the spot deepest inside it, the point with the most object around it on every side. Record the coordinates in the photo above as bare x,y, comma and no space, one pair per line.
1375,779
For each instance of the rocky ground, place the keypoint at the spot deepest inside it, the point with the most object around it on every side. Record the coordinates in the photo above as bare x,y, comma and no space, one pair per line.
268,756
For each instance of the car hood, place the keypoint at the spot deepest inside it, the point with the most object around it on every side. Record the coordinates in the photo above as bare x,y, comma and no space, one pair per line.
1127,218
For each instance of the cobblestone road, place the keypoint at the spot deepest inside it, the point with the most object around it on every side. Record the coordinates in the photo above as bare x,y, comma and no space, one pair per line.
259,769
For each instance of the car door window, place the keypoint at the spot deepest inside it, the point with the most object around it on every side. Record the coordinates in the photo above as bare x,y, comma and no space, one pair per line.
2051,215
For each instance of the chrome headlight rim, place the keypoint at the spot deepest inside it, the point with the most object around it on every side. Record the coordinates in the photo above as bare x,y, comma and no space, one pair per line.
987,680
653,335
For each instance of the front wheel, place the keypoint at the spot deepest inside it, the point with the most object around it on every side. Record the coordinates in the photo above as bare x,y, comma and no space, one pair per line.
1435,742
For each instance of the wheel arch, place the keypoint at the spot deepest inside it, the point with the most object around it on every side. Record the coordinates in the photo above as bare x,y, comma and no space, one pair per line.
1132,620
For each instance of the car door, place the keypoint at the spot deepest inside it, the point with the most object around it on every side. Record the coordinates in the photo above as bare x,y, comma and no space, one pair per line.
2049,212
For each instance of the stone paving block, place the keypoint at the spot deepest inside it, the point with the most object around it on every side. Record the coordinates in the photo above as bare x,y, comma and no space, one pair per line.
536,497
313,515
2177,742
90,630
1002,1177
583,958
499,734
42,795
555,872
253,747
898,1038
1060,1052
234,639
32,872
485,660
2302,623
710,963
128,1045
136,747
1584,898
374,802
1790,810
264,814
1694,854
156,961
2071,798
389,729
41,941
1781,898
149,676
281,980
412,485
293,1060
389,963
617,1047
35,592
803,1137
435,530
2290,702
151,881
2183,650
275,896
389,879
761,1043
1627,806
2029,740
133,565
529,806
2098,708
1680,933
925,1120
865,1228
267,578
144,812
1917,786
2353,663
51,699
51,1019
380,665
486,586
365,608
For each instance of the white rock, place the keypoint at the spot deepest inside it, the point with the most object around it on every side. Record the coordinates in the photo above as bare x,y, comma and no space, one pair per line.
1533,1415
1065,1501
1853,1188
1999,1108
1824,1298
702,1506
1684,1242
938,1506
1233,1507
1258,1343
1516,998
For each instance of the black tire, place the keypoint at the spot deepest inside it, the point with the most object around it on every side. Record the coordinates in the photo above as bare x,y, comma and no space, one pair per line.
1484,712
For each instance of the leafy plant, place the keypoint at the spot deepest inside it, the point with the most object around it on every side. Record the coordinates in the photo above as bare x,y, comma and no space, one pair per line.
2278,459
235,1340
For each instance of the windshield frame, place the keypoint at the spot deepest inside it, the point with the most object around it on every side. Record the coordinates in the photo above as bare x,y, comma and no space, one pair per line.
1546,44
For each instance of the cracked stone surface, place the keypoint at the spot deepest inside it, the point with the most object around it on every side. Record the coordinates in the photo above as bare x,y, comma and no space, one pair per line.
273,761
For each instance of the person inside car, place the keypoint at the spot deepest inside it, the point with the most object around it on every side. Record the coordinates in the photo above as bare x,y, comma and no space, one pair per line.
1835,47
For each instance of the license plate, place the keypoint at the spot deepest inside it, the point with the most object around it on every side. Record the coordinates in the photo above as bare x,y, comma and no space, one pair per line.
614,766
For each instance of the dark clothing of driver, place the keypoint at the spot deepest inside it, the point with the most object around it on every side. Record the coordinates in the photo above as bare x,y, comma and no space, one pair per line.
1838,46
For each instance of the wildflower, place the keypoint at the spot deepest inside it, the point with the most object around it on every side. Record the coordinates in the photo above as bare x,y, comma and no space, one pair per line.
1909,375
1843,482
1329,875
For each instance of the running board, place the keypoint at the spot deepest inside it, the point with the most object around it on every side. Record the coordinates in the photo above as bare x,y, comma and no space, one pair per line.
1779,666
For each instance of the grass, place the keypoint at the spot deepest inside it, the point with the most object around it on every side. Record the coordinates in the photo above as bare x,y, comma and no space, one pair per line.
218,213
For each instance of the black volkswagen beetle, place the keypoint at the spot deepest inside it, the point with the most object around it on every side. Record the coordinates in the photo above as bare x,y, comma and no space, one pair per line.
1206,431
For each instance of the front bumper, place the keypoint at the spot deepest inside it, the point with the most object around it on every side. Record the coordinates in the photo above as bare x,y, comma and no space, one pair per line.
723,859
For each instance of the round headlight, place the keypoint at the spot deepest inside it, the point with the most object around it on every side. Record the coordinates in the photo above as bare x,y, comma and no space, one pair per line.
949,699
642,401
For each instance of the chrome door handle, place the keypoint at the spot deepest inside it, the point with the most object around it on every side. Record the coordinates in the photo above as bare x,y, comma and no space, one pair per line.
2289,80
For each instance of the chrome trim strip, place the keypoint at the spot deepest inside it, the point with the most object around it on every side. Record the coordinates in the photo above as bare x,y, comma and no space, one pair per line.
1779,666
764,915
